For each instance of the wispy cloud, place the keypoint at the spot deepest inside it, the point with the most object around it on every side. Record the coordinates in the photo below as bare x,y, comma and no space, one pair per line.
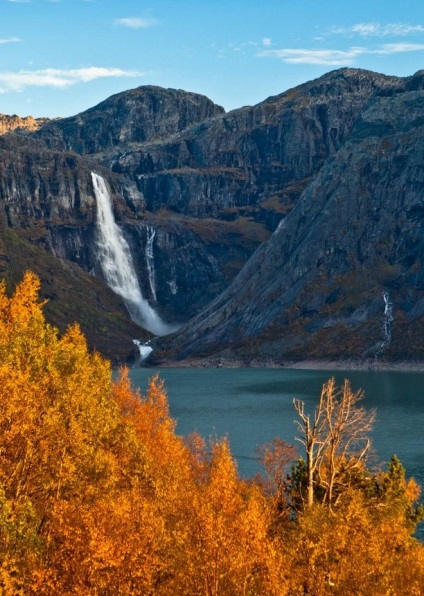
304,56
379,30
9,40
135,22
266,41
330,57
19,1
237,48
58,78
398,48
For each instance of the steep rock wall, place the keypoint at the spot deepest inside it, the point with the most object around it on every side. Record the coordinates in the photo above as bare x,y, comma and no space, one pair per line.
316,288
261,156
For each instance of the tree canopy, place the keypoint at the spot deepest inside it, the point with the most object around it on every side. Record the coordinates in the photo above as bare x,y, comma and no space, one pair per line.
99,495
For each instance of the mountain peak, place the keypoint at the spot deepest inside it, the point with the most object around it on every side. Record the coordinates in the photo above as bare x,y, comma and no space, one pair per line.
133,116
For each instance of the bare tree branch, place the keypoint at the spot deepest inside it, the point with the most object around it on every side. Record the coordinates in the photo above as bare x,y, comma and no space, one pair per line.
337,441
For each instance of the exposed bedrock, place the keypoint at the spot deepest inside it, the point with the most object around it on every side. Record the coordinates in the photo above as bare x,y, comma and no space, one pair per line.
316,288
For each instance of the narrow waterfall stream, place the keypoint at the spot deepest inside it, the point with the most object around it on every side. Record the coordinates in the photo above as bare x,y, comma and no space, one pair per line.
150,262
117,264
387,324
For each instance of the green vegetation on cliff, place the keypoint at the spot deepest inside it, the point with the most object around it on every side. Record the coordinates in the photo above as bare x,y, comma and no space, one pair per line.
72,295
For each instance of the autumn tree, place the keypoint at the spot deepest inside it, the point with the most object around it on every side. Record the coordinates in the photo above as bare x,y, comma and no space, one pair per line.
365,546
99,495
363,549
276,458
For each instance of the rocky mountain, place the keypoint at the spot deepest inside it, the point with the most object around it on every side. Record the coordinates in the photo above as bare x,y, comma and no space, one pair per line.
271,230
194,260
135,116
47,199
343,274
256,160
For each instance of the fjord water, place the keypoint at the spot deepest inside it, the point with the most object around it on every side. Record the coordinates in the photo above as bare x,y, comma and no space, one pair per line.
252,406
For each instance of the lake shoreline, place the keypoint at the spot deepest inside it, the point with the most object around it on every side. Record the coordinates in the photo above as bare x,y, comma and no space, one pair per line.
307,364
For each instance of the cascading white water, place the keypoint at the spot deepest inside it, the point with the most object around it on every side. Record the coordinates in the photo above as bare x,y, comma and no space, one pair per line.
144,349
388,317
117,264
387,324
150,262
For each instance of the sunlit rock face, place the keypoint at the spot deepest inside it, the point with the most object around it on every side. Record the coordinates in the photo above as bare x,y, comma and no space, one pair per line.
17,123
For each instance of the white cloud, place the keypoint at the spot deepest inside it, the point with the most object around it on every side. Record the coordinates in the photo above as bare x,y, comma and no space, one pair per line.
19,1
379,30
267,41
304,56
398,48
328,57
58,78
9,40
135,22
366,29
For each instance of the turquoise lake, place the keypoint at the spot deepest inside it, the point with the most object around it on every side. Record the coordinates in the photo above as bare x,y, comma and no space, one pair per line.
252,406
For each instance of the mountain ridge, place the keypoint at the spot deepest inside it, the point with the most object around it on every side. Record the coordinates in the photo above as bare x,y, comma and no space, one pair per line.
296,268
215,186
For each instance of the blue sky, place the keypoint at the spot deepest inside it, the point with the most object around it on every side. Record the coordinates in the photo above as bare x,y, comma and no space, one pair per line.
60,57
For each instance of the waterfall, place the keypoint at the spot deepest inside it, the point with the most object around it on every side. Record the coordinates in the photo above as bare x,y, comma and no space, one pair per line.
388,317
117,264
387,324
151,232
144,349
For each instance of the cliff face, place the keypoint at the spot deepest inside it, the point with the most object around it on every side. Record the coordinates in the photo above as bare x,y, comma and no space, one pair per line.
258,158
343,275
37,184
333,166
47,199
16,123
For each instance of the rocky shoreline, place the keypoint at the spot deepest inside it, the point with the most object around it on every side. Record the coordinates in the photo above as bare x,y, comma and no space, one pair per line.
221,362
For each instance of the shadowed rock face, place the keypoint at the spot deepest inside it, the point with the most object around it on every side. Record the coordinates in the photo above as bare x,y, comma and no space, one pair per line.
258,157
145,113
47,204
322,164
315,289
38,184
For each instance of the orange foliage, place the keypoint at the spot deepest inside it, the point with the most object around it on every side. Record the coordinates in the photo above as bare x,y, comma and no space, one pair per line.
99,496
